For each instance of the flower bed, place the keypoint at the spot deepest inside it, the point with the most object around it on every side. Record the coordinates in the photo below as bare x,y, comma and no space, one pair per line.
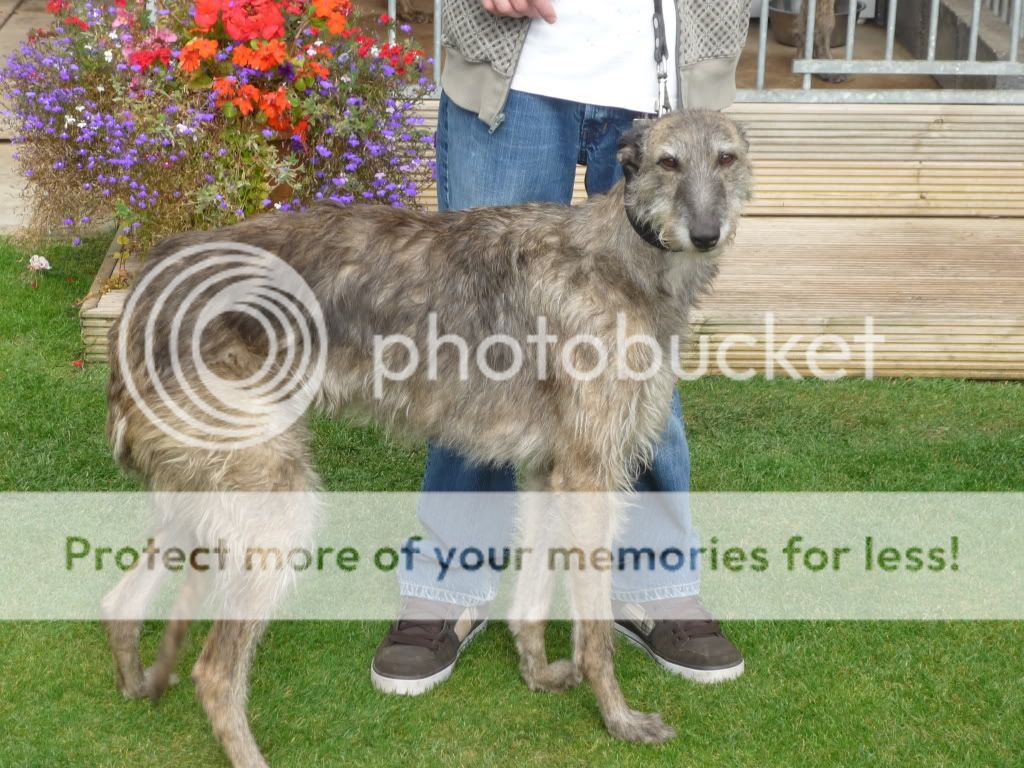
198,116
179,117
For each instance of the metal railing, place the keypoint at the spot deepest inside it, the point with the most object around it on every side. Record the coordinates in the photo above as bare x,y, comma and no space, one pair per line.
808,66
1004,10
1010,12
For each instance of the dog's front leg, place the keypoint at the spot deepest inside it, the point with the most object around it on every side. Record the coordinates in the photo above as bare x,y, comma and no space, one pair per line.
592,522
824,24
539,523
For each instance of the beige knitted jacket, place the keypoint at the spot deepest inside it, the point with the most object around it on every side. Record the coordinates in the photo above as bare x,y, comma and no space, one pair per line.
481,52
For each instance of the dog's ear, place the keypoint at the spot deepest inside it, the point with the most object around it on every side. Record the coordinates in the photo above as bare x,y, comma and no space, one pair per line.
630,152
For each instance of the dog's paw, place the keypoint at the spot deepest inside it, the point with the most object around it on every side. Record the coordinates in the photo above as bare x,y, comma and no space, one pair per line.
158,681
645,727
139,691
557,676
834,78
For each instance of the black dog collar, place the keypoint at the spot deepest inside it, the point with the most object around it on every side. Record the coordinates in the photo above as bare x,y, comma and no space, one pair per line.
645,231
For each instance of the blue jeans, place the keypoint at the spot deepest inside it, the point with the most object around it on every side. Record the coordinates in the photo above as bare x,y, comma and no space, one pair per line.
532,157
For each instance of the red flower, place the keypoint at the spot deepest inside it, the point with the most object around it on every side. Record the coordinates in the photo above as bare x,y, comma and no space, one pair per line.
206,13
267,56
247,99
78,363
146,59
384,19
224,87
57,6
253,20
75,21
275,106
319,70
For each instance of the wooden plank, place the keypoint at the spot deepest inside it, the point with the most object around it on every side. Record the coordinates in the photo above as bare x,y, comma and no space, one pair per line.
94,316
832,160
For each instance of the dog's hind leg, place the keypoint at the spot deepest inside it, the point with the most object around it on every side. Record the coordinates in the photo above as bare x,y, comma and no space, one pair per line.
259,521
537,520
591,527
221,678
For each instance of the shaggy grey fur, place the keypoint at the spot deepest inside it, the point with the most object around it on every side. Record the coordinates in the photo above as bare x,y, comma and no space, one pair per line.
378,271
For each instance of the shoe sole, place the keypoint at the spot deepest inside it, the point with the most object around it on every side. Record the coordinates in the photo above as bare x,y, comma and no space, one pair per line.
702,676
414,686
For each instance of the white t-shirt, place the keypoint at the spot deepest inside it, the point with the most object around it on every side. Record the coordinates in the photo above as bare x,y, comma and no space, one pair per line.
598,52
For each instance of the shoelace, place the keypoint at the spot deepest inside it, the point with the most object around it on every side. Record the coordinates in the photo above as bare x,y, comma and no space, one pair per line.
685,629
426,633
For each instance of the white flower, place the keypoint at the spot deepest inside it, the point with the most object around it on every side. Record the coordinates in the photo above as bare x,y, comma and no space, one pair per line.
37,263
100,88
68,119
108,55
80,108
311,51
277,205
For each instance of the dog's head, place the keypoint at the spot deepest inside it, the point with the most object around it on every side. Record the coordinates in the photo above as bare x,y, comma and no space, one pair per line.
688,175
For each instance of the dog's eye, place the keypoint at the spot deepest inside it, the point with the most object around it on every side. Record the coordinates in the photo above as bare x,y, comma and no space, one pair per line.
669,163
725,159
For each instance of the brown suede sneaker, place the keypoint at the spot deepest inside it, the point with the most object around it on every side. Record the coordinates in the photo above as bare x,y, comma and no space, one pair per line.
422,646
682,637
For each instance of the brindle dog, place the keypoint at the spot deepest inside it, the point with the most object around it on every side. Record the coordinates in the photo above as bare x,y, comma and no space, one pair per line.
824,24
641,255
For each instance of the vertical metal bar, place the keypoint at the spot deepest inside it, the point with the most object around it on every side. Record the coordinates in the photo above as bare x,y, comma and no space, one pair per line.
393,13
890,31
762,45
1015,22
972,52
812,7
437,43
851,27
933,30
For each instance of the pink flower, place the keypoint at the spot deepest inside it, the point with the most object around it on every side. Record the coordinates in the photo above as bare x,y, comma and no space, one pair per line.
37,263
124,19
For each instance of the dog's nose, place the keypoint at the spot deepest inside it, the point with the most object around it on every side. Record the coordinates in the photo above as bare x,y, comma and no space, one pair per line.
705,240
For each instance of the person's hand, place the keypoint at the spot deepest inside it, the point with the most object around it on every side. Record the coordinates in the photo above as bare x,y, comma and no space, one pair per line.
535,9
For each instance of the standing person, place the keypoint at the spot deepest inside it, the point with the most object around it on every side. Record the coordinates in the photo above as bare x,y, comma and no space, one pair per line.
530,89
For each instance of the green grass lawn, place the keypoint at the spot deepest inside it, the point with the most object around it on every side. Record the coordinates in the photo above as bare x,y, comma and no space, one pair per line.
815,694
